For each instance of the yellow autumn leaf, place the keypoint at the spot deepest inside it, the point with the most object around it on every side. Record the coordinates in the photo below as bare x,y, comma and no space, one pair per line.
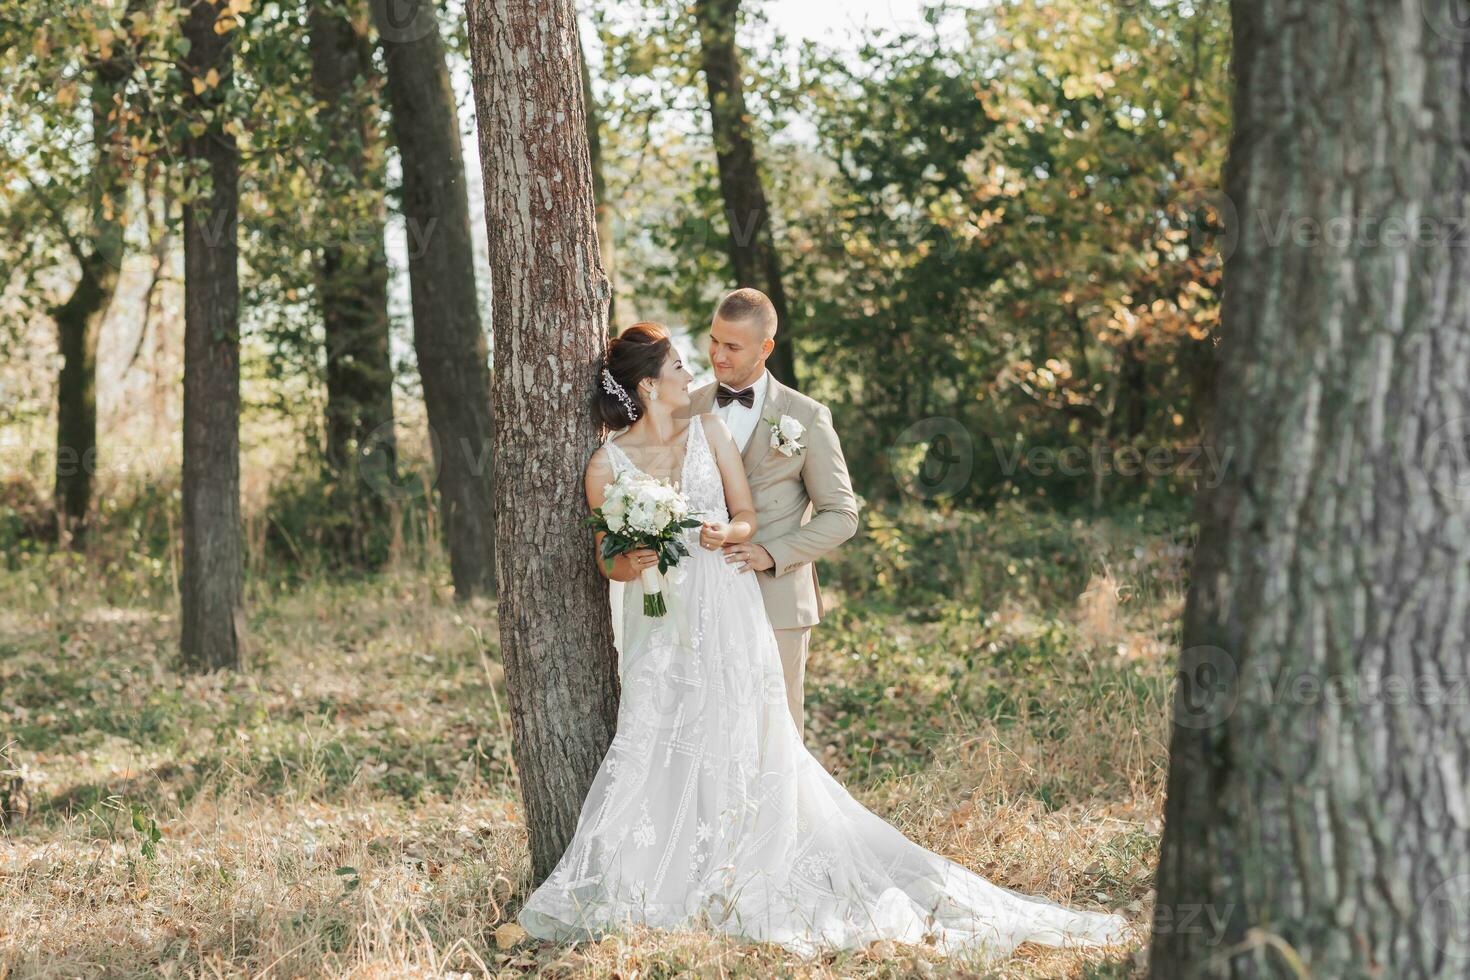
66,95
212,79
509,935
199,87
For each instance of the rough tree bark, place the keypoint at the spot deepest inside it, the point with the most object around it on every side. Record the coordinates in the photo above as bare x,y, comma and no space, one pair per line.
751,246
211,574
605,244
79,319
352,280
550,322
447,334
1318,814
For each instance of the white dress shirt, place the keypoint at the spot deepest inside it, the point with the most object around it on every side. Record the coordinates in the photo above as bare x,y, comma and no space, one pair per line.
741,421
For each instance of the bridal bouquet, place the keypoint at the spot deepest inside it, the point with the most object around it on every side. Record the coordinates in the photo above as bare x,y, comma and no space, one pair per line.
641,512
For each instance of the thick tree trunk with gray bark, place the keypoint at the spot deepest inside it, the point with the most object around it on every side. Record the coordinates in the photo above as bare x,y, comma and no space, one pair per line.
211,575
447,334
352,280
751,245
605,244
1318,816
550,325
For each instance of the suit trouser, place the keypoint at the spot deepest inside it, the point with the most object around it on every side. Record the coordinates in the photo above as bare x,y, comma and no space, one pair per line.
793,646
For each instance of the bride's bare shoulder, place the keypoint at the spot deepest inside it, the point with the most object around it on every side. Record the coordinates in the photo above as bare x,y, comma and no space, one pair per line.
716,432
714,426
600,462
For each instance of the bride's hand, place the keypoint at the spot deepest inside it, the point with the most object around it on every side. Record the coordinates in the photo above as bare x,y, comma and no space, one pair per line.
712,535
638,559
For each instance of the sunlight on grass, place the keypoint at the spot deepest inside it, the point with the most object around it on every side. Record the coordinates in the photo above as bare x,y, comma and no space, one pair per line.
348,805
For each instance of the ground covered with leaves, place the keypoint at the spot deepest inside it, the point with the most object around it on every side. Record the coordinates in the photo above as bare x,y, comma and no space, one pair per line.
995,684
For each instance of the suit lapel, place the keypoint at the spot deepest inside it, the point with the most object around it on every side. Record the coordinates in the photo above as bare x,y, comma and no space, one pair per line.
760,439
703,401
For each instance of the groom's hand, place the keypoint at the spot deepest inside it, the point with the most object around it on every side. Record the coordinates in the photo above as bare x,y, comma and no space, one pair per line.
748,557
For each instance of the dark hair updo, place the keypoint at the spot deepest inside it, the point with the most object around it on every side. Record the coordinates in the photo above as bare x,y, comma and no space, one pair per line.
638,352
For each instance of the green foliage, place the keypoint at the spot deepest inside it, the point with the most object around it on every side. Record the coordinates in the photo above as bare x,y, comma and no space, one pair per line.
148,833
1005,221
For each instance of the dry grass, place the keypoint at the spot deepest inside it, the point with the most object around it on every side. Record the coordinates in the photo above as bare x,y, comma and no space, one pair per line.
346,808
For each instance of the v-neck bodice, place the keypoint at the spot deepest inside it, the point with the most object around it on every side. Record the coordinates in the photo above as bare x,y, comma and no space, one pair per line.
699,476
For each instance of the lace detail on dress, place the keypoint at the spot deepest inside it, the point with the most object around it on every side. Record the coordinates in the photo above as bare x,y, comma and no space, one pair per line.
702,485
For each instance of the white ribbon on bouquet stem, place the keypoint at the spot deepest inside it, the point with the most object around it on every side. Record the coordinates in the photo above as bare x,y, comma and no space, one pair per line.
652,581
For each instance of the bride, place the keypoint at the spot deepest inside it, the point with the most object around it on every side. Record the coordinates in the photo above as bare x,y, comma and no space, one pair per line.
708,811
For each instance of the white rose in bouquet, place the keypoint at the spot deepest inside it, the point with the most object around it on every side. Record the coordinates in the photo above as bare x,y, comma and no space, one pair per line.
615,510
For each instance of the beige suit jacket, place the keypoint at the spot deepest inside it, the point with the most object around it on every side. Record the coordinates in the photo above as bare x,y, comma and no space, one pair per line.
804,504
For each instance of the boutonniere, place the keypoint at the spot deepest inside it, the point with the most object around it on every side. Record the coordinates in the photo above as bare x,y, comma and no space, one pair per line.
784,435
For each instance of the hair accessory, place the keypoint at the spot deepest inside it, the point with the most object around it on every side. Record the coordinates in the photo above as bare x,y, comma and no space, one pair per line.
611,386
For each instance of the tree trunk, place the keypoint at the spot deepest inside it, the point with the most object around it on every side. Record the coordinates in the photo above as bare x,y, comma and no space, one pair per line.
605,244
550,321
448,337
752,249
210,580
353,275
79,319
1318,818
78,323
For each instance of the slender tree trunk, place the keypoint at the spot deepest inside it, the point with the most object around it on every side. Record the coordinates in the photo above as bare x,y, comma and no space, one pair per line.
210,580
1318,816
353,276
448,337
752,248
78,323
79,319
605,243
550,320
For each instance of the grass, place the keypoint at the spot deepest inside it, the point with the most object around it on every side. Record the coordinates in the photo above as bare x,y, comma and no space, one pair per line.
995,685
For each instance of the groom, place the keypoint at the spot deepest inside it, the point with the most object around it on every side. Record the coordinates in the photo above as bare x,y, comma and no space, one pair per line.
803,496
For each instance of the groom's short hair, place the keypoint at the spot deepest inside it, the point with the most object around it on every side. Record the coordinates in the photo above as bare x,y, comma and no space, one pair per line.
749,304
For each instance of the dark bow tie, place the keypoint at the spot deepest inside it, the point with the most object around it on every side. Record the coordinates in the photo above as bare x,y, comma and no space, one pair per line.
725,396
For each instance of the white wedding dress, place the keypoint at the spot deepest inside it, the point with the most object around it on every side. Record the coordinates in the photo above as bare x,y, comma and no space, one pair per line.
709,812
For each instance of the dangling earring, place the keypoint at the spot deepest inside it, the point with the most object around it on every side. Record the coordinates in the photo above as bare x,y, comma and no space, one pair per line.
653,394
